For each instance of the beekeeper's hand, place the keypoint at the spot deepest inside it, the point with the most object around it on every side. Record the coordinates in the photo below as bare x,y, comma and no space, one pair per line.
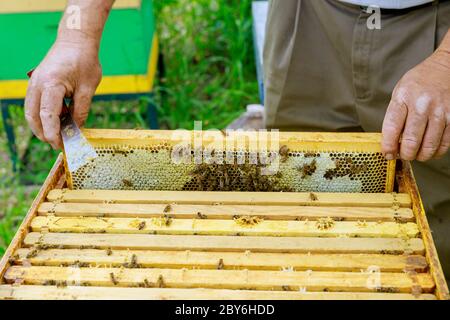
70,69
417,121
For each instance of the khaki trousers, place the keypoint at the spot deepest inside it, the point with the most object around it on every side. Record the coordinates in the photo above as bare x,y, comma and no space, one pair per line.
325,70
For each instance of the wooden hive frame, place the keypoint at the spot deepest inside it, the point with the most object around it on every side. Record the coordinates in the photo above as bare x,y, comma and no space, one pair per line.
104,244
109,143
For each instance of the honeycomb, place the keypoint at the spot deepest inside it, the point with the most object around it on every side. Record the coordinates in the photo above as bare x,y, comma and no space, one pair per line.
150,167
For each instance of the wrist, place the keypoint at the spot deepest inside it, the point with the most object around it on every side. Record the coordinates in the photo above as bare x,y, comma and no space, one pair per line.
442,54
78,38
83,22
441,57
444,47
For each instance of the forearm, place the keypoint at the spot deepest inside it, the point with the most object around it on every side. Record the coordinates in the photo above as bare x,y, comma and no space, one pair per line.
91,15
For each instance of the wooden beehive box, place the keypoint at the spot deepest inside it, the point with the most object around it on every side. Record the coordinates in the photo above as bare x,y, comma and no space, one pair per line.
177,241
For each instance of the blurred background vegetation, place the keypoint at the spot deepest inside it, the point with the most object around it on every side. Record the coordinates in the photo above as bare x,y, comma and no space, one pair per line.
209,75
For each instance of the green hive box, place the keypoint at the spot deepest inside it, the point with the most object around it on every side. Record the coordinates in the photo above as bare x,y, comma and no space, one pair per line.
129,50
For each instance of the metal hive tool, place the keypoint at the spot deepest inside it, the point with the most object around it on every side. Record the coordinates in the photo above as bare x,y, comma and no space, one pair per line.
142,160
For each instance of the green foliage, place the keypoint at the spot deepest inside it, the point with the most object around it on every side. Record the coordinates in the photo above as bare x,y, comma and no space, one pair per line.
208,52
15,200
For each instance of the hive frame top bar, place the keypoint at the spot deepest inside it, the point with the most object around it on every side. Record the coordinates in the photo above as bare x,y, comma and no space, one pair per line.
370,142
371,137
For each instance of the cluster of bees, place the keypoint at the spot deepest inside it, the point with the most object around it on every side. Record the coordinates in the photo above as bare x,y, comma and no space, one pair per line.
234,177
247,221
325,223
248,177
308,169
346,167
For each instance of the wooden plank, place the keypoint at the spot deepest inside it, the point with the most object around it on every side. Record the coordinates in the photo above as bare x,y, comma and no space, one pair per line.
102,293
246,198
52,179
225,260
31,6
442,291
321,228
300,137
225,243
390,175
60,184
303,141
224,211
223,279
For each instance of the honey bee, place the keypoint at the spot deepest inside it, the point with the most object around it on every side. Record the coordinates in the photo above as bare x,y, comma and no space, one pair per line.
127,183
141,225
324,223
313,196
160,283
308,169
284,153
147,284
167,220
133,263
49,283
201,215
113,278
121,152
329,174
309,154
220,265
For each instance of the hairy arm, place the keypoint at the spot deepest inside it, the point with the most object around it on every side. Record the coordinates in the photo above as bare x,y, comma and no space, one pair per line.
71,68
417,121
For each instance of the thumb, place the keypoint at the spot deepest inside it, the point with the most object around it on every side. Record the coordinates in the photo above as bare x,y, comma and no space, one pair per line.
82,102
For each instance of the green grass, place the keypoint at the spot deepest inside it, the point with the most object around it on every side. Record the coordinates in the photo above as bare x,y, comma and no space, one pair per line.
210,76
15,199
209,57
